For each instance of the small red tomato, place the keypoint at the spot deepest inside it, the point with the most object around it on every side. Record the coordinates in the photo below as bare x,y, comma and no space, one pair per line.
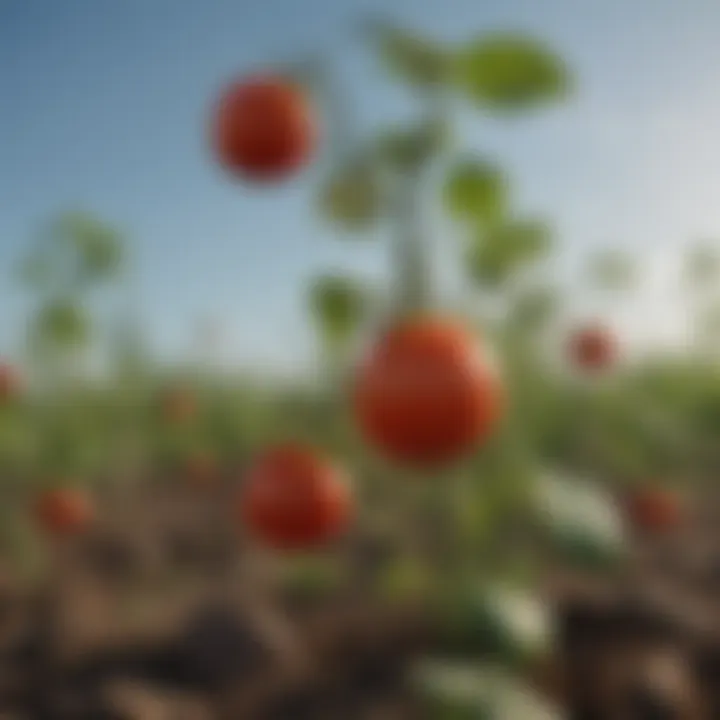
427,393
63,512
294,498
593,347
654,510
9,382
265,129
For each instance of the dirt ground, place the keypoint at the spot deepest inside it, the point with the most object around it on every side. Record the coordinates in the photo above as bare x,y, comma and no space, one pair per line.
159,613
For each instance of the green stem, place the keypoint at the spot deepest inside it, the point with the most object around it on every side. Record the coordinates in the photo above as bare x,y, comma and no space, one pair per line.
411,248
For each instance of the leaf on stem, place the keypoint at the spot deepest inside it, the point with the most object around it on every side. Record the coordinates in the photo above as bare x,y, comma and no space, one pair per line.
412,58
511,72
337,305
352,196
476,190
499,253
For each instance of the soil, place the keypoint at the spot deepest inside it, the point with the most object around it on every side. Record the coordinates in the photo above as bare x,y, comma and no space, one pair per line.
163,612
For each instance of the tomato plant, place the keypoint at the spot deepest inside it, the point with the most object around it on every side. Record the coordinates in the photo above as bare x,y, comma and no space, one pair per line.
294,498
264,128
427,394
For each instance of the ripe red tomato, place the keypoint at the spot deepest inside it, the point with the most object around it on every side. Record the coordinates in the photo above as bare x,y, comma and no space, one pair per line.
593,347
654,510
265,129
294,498
9,382
63,512
427,393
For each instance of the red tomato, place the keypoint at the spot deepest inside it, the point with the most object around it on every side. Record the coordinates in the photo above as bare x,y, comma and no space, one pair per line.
9,382
179,405
265,129
63,512
654,510
593,347
427,393
294,498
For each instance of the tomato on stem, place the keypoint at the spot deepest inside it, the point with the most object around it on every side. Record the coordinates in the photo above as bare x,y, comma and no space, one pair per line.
264,128
427,393
294,498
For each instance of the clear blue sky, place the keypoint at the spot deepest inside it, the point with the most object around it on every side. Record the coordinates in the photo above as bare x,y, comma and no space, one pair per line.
104,105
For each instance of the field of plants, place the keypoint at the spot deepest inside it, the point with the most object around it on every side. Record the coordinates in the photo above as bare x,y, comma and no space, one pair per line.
474,509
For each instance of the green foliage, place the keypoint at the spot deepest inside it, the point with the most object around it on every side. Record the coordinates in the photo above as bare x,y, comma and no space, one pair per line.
414,59
476,190
498,253
61,326
351,197
534,307
407,149
75,250
338,306
511,72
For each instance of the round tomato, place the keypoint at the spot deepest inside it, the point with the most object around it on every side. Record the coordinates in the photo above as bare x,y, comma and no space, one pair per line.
427,393
294,498
593,347
265,129
654,510
63,512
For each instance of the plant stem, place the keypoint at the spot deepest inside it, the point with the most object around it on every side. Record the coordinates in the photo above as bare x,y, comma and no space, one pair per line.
411,248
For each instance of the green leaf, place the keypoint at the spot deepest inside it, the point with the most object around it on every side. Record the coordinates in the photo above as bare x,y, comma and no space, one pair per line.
535,307
62,325
414,59
337,305
352,197
409,148
97,245
476,190
511,72
500,252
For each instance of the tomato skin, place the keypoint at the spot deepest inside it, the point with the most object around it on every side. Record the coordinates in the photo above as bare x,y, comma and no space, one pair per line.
264,130
63,512
425,395
654,510
295,499
593,347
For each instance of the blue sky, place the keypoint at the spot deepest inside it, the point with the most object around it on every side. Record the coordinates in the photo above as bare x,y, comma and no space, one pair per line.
104,106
